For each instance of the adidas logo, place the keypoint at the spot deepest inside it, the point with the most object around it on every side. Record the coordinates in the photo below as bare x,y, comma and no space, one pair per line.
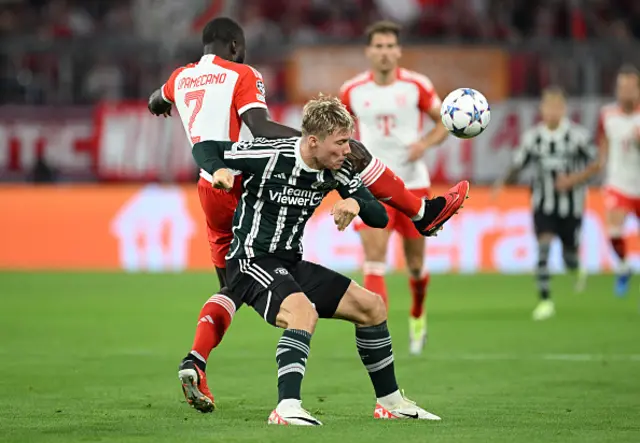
281,176
206,319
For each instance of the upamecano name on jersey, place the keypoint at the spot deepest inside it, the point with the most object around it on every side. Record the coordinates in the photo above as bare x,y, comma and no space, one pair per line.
296,197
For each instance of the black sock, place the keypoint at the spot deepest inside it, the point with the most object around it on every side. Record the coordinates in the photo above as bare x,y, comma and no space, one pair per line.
542,270
199,363
374,347
571,260
291,354
433,208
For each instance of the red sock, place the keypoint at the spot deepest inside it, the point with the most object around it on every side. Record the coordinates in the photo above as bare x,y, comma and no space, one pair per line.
215,317
418,295
619,246
388,187
374,279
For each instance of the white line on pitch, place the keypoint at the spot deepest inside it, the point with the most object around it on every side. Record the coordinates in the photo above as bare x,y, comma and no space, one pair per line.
530,357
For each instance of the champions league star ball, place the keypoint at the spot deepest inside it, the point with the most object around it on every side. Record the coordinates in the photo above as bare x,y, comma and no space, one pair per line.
465,113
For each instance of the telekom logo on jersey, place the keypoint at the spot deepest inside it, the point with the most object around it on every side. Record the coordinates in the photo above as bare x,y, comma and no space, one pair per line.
386,123
202,80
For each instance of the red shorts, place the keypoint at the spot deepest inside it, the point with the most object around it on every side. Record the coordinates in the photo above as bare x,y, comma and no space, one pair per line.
397,220
218,206
614,199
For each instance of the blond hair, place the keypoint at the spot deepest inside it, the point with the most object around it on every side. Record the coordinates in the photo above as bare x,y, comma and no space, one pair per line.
325,115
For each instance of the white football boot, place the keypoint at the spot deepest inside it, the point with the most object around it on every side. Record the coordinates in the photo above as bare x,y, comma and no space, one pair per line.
544,310
290,412
397,406
417,334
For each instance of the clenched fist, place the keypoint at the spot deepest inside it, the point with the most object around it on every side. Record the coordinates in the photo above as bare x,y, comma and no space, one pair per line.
223,179
344,212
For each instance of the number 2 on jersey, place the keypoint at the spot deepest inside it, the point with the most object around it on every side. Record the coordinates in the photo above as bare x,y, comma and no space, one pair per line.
198,97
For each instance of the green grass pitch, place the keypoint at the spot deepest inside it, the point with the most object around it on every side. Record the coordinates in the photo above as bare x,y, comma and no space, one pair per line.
93,358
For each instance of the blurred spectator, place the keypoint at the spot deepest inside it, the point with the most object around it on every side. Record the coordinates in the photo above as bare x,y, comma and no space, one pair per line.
533,29
104,81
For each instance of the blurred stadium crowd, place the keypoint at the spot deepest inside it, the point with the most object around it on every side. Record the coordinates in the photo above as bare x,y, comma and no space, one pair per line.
83,51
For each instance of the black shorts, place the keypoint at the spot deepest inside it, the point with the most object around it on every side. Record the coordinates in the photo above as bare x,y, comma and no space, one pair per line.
264,282
566,228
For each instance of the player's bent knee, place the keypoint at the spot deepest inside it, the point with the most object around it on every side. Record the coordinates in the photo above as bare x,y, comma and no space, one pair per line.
377,312
361,307
297,312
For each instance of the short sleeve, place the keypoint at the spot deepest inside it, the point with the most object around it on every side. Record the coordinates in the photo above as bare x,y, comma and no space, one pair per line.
168,88
428,97
345,97
250,92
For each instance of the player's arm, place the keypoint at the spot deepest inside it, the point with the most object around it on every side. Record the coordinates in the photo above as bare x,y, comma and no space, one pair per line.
521,160
158,105
591,156
261,125
429,103
602,141
216,157
358,200
161,100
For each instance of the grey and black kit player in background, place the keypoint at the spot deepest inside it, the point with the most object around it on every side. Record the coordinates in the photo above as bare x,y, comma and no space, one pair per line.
284,181
563,157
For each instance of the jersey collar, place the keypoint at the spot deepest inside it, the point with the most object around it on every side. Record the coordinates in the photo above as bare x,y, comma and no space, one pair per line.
299,161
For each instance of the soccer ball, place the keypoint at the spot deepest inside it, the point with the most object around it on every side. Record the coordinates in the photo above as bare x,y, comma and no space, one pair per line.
465,113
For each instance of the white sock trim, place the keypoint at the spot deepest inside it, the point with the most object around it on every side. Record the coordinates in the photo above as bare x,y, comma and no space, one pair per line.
374,268
420,213
225,302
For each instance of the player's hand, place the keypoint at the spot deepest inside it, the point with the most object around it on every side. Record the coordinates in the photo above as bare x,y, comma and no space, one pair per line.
416,151
223,179
344,212
564,183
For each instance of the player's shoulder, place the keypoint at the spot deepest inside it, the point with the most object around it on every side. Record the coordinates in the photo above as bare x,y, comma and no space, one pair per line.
358,80
579,130
280,144
177,71
419,79
240,68
610,109
532,133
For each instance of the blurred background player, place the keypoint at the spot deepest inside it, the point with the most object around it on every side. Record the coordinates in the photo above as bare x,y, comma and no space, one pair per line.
215,97
389,103
619,138
564,158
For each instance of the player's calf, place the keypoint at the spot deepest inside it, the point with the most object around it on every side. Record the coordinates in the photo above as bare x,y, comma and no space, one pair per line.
299,317
545,307
373,342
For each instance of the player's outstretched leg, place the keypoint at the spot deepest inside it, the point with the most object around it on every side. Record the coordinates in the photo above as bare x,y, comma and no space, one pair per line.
428,215
367,311
298,316
214,320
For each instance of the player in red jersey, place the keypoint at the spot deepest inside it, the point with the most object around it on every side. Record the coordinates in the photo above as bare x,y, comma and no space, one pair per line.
214,98
390,104
619,138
